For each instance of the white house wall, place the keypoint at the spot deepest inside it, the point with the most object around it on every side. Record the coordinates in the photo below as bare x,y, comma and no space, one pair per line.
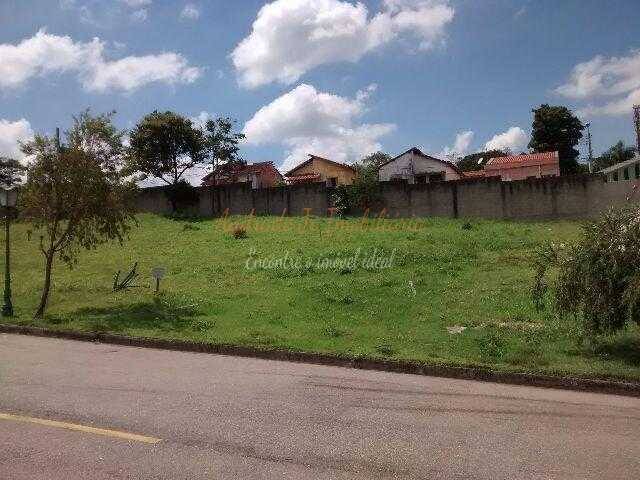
410,164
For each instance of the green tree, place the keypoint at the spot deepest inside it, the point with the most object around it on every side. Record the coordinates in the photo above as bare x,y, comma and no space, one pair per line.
471,163
365,191
11,171
76,195
165,146
374,161
556,128
616,154
223,144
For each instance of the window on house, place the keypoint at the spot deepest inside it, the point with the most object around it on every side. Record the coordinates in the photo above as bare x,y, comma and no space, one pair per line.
626,173
420,178
332,182
436,177
615,176
637,170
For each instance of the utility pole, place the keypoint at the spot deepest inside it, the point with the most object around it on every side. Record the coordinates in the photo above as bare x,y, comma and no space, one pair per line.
636,115
588,125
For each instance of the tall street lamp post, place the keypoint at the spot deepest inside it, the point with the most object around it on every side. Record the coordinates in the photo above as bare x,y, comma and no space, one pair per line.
8,200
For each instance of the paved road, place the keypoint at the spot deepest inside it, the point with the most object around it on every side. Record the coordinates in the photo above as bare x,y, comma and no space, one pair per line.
224,417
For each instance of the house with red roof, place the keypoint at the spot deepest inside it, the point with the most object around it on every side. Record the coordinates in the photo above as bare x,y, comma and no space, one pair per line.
261,175
520,167
413,166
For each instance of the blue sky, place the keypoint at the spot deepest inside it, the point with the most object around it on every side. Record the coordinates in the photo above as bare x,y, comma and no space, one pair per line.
330,77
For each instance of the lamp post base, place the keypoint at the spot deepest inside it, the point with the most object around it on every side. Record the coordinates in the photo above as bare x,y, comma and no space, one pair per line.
7,308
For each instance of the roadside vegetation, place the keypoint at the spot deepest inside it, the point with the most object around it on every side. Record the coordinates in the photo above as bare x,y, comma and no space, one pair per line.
454,292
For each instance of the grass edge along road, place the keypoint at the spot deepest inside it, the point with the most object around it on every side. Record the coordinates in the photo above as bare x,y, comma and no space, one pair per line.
455,292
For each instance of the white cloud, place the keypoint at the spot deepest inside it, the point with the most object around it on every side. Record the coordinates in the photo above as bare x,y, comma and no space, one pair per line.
291,37
514,140
45,54
137,3
307,121
190,12
460,146
106,14
130,73
42,54
614,77
140,15
521,12
10,134
201,119
67,4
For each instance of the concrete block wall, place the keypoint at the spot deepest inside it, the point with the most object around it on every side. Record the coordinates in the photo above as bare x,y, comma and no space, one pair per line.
153,200
547,198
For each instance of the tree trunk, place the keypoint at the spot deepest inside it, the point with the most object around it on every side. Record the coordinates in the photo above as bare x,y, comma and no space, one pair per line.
172,197
47,285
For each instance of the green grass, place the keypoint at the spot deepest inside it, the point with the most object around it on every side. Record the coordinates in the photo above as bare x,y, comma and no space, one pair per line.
442,275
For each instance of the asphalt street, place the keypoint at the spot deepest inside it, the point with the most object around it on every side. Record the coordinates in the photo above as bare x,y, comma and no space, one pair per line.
74,410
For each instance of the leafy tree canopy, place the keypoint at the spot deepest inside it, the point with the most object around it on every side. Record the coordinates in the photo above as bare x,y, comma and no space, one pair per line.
222,143
373,160
472,162
556,128
11,172
165,146
616,154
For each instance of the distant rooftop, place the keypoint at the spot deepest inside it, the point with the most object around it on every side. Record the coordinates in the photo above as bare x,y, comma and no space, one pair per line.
525,160
620,165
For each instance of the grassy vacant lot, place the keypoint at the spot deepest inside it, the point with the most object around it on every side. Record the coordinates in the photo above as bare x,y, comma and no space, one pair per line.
439,274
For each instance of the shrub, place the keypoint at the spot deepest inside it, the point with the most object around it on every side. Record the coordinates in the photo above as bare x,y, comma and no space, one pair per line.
598,277
183,195
239,232
364,193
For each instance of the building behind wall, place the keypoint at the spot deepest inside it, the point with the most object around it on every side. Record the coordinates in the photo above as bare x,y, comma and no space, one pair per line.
319,169
521,167
623,171
261,175
413,166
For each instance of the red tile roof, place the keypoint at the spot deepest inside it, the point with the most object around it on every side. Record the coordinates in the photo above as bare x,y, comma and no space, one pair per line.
307,177
517,161
476,173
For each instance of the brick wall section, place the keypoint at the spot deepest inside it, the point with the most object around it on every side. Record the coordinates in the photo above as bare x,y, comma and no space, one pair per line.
545,198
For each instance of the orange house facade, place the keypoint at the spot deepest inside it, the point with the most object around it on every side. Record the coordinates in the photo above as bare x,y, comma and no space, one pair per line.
318,169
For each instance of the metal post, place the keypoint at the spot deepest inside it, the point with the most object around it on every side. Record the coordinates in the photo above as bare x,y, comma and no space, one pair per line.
636,115
590,147
7,308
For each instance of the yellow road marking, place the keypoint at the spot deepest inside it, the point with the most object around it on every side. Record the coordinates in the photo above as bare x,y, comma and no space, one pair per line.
81,428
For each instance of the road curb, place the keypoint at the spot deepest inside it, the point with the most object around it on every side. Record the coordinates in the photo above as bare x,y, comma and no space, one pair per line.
396,366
